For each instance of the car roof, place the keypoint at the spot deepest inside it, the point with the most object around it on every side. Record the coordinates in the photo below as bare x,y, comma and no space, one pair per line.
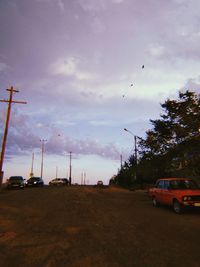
16,177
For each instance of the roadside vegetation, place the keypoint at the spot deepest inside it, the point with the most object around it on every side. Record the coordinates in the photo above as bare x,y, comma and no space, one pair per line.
170,149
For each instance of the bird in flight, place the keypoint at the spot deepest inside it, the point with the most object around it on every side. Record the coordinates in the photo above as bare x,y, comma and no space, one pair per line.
132,84
142,66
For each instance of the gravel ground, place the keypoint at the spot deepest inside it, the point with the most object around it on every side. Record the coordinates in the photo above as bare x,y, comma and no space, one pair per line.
92,227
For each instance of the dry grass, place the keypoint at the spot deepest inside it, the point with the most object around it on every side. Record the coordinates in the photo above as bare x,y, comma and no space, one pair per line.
92,227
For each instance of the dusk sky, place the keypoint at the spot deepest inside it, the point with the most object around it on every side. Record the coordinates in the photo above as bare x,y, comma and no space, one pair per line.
78,64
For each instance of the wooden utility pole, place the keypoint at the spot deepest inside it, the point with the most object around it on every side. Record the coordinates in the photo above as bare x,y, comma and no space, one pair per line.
70,168
32,163
42,154
84,178
31,173
9,101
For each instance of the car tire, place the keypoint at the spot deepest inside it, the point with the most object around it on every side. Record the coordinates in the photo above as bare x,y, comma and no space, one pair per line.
155,202
177,207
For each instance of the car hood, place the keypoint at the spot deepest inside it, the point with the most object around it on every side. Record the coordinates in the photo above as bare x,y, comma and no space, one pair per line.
15,182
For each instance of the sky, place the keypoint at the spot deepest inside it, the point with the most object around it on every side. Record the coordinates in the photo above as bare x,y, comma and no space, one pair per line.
78,65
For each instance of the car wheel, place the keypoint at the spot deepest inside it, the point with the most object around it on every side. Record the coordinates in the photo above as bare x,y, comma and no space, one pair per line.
155,202
177,207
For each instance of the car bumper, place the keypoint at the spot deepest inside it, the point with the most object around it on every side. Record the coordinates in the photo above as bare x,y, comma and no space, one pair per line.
13,186
191,204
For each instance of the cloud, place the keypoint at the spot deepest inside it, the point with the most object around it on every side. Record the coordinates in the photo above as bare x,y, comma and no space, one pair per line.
66,67
98,26
118,1
3,67
92,147
69,67
192,84
101,122
156,50
98,5
24,136
91,5
59,3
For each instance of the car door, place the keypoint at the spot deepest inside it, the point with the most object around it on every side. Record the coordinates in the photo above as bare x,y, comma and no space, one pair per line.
158,190
166,193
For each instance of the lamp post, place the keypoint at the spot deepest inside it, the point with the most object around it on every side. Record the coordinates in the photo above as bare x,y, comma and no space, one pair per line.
42,152
135,149
121,161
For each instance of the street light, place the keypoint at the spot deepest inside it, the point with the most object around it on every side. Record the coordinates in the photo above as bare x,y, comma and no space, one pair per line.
135,149
42,159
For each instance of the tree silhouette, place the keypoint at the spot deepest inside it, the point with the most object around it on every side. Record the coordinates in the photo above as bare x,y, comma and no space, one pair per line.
172,146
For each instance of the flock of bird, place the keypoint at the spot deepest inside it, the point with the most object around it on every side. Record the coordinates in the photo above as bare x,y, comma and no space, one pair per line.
132,83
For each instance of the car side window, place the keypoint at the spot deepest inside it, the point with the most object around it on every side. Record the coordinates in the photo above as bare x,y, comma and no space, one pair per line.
160,184
166,184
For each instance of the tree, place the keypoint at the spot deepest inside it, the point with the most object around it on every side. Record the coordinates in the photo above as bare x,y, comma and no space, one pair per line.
172,146
175,137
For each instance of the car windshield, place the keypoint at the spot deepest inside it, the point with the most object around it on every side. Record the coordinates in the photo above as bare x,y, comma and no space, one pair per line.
183,184
15,178
34,179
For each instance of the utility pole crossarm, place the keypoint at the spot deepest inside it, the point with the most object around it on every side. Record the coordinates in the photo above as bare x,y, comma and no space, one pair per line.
13,90
13,101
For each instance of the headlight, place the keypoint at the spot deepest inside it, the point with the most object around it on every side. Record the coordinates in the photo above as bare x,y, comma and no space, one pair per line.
186,198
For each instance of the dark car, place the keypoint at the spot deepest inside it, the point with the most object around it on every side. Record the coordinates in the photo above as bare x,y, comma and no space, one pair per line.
15,182
34,181
99,184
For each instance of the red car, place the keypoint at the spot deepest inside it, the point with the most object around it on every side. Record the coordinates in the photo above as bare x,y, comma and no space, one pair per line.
176,192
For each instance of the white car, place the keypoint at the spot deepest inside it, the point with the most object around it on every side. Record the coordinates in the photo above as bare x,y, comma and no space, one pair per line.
59,181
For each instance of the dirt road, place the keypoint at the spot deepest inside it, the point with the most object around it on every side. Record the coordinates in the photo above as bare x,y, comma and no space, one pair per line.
90,227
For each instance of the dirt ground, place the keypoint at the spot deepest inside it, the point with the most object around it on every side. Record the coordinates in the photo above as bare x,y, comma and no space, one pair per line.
91,227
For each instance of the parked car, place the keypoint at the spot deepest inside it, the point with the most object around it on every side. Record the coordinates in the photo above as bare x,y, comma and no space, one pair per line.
176,192
34,182
100,183
17,182
59,181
